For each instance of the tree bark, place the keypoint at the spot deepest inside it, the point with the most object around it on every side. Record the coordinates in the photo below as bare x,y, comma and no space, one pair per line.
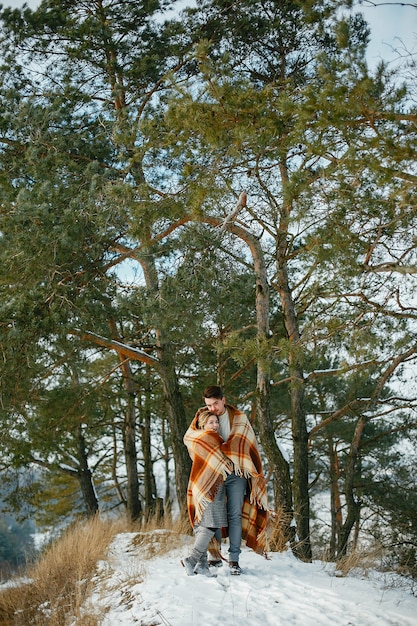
177,424
85,478
352,504
335,502
300,472
148,478
133,503
277,463
279,467
168,497
172,394
298,418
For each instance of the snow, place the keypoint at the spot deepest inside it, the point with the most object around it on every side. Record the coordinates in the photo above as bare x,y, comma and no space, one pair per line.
139,584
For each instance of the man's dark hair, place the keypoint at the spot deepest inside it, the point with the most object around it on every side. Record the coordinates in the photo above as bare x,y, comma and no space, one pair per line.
214,391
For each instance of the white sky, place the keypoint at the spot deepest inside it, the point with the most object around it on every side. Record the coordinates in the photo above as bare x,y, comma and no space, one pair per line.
393,27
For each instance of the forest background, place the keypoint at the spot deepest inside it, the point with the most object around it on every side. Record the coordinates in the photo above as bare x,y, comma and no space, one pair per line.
222,195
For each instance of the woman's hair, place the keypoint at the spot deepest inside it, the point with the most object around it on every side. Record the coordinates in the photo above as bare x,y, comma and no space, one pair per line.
203,417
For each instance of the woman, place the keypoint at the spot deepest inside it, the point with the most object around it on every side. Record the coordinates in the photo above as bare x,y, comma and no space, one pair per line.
206,497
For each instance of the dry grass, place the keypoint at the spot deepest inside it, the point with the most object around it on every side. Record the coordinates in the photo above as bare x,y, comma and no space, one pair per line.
359,560
60,581
161,541
278,531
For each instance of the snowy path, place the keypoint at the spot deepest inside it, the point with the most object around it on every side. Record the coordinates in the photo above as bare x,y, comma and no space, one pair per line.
277,592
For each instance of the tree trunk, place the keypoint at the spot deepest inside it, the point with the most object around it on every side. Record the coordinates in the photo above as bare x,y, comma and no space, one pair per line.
133,503
177,424
298,418
166,370
277,463
114,464
353,505
148,478
335,502
168,498
300,473
84,476
172,395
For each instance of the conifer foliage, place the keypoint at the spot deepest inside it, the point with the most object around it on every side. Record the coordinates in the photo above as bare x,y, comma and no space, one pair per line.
219,195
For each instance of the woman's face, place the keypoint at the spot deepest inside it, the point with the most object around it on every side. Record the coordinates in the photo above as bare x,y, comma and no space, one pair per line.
212,423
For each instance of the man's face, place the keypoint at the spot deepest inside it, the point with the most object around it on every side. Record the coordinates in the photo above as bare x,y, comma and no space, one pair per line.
215,405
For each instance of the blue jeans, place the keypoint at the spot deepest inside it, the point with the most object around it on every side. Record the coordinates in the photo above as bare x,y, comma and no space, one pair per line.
235,492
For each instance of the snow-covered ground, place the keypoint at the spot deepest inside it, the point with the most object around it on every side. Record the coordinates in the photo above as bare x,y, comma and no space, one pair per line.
139,586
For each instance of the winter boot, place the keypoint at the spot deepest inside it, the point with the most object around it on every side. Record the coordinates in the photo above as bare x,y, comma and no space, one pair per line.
235,569
215,563
203,568
189,563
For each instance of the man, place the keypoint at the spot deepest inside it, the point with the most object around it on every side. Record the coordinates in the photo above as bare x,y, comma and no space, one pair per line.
247,504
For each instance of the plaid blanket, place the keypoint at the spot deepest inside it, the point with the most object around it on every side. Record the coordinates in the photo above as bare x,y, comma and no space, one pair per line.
242,450
210,467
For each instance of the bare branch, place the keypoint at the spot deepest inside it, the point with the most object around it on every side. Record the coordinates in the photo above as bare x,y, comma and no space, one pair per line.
133,353
231,218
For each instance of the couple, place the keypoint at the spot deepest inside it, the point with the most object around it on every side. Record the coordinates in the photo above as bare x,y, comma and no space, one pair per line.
227,486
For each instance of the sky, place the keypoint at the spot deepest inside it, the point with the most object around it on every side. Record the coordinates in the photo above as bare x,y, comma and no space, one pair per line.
134,589
393,28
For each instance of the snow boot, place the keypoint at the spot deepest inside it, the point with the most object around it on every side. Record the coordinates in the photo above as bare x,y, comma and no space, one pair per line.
203,568
189,563
235,568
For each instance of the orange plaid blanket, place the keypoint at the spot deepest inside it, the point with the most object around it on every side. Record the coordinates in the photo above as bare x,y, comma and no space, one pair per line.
210,466
242,450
